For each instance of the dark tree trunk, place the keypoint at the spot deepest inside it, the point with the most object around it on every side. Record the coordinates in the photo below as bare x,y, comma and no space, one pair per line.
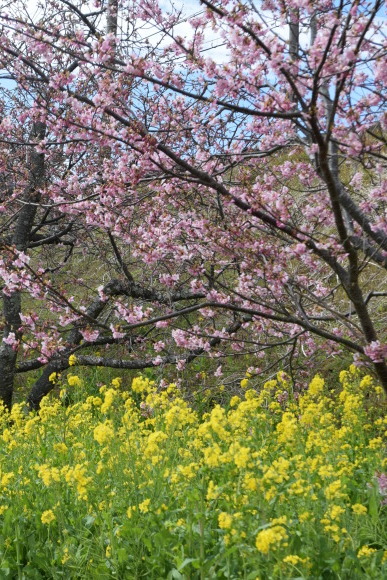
20,240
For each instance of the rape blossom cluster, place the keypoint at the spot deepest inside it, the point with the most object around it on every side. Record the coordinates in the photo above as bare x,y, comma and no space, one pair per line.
264,486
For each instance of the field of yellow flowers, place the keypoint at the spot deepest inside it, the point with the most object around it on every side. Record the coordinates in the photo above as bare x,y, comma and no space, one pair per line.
134,483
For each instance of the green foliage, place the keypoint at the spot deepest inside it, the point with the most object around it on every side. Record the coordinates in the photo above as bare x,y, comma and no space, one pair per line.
135,482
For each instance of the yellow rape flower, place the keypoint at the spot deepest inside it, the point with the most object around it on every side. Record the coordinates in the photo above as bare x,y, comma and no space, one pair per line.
72,360
234,401
293,559
48,474
141,385
240,454
74,381
336,511
365,552
316,386
366,382
270,539
47,517
104,432
332,491
130,511
110,395
6,478
250,482
375,443
144,506
212,491
60,447
224,521
287,428
359,509
77,476
213,456
188,471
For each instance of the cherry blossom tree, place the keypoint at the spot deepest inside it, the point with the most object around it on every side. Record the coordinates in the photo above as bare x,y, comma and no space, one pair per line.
176,186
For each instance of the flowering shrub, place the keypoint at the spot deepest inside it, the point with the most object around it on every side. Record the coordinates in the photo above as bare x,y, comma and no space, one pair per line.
135,483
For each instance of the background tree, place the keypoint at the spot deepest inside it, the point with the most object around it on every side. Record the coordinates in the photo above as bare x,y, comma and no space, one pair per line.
218,206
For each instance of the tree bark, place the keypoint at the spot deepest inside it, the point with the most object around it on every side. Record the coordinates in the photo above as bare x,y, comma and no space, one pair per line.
20,240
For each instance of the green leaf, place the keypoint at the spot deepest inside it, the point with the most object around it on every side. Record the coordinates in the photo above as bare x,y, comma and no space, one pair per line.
89,521
373,507
186,562
122,555
252,575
